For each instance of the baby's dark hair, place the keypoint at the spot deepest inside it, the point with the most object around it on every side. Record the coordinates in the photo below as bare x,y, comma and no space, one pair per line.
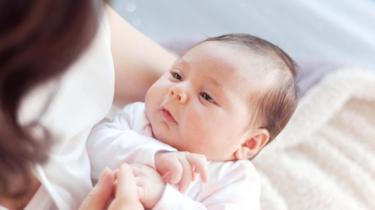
274,106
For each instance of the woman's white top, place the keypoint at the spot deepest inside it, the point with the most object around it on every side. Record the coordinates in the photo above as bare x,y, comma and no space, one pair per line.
84,96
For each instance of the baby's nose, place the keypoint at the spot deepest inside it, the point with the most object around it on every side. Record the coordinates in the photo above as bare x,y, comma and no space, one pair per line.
178,94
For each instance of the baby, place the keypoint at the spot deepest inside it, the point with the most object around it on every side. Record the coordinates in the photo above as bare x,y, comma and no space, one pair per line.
216,108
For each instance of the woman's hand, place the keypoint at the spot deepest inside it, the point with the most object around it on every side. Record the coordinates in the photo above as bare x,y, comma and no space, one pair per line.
150,185
126,196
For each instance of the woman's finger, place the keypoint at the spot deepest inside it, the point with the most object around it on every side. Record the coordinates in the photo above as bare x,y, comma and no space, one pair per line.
126,185
99,197
126,196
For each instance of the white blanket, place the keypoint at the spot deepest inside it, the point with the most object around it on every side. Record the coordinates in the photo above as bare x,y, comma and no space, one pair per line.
325,158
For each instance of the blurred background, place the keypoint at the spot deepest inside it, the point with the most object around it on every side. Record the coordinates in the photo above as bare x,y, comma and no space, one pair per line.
323,31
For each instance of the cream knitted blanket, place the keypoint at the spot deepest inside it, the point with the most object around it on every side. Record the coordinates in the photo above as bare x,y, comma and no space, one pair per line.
325,157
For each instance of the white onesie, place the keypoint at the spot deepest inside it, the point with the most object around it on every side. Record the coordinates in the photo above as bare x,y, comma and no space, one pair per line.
232,185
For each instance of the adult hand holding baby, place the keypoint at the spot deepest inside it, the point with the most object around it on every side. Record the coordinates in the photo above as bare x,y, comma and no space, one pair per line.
125,197
140,187
150,185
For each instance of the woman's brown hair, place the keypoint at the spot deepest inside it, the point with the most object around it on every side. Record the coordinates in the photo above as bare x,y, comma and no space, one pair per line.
39,39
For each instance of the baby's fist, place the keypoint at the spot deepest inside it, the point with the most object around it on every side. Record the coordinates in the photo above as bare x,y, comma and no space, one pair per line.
180,167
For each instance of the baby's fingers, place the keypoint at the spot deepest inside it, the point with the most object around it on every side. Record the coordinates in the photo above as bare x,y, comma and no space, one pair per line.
199,163
187,175
171,170
174,172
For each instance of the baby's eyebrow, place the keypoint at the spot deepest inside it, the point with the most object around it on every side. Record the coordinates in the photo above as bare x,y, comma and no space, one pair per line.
182,63
215,82
219,91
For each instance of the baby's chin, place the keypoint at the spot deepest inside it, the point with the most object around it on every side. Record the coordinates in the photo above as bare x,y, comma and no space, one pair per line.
158,134
162,137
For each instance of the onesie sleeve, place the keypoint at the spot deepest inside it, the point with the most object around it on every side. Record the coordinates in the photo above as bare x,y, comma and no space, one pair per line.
113,142
236,190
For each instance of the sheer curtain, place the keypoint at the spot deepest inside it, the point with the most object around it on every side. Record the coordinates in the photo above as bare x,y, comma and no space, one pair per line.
337,31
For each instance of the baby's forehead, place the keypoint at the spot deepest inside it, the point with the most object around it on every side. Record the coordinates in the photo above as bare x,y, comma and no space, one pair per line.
254,59
228,63
263,65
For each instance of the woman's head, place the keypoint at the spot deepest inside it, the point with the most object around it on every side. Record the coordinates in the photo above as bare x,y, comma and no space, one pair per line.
39,39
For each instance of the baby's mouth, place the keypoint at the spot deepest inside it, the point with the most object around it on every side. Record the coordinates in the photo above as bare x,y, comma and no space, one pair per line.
168,116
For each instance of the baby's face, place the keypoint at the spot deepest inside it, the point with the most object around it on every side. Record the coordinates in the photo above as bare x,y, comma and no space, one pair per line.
202,104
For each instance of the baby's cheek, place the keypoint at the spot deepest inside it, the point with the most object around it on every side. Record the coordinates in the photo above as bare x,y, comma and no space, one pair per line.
196,132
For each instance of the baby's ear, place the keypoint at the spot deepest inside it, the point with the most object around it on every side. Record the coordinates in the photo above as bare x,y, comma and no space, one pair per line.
256,141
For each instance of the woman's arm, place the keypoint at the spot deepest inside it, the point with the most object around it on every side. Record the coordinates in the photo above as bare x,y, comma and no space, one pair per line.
138,60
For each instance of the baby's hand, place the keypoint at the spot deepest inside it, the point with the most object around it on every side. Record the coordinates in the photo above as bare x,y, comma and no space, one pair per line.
180,167
150,185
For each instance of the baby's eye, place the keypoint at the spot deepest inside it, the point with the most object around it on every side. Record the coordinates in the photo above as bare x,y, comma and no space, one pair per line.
176,75
207,97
